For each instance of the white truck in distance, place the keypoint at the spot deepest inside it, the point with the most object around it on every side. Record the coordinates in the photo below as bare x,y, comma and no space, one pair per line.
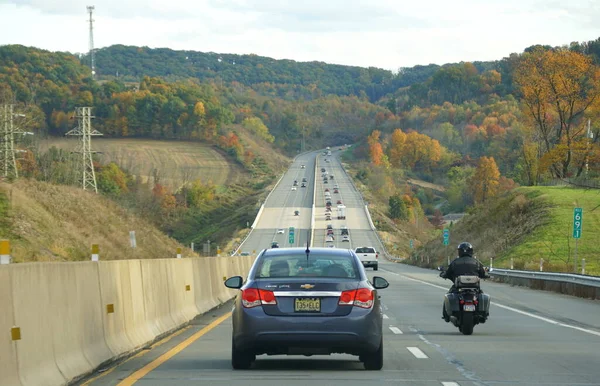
368,257
341,212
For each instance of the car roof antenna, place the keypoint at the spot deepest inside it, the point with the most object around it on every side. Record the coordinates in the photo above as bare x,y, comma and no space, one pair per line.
307,247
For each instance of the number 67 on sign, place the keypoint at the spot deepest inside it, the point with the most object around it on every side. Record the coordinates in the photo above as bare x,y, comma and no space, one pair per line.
577,222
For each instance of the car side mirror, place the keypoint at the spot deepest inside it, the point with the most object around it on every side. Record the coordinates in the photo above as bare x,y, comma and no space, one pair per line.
380,283
234,282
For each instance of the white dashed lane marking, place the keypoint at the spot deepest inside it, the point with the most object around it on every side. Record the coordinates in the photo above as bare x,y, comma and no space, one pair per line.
396,330
450,384
385,316
417,352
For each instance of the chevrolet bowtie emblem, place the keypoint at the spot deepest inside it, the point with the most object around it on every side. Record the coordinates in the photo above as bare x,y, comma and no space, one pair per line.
307,286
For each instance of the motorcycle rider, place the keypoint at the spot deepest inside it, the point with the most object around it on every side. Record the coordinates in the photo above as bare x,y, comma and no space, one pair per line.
465,264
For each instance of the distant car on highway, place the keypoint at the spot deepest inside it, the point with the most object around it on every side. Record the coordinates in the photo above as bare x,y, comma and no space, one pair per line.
274,244
294,187
302,167
280,231
336,190
346,238
299,303
368,257
303,185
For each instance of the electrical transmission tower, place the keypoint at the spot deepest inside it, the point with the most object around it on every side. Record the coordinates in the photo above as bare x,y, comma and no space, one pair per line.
90,9
84,130
8,161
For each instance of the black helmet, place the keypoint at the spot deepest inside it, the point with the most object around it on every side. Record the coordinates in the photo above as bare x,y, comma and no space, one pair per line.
465,249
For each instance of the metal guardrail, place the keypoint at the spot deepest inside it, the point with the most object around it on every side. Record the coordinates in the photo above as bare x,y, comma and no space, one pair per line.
592,281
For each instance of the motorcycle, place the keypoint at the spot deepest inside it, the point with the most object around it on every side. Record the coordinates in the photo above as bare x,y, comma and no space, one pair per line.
468,306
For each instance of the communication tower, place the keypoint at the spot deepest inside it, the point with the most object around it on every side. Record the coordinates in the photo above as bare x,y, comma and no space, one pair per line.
90,9
84,130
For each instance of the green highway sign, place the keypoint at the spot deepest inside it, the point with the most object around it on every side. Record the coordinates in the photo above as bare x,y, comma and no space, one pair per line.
446,236
577,222
291,239
411,243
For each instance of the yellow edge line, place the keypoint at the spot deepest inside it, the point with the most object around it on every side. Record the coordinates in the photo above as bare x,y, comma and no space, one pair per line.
141,353
141,373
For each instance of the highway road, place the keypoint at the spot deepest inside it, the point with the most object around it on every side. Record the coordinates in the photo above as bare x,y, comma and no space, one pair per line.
532,337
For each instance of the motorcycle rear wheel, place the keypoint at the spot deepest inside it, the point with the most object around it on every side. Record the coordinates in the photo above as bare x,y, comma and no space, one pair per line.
467,324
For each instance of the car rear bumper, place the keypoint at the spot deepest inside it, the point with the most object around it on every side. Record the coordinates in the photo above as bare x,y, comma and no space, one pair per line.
369,263
355,333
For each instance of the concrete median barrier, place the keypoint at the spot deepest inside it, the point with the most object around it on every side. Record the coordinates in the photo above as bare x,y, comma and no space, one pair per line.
9,374
75,317
203,291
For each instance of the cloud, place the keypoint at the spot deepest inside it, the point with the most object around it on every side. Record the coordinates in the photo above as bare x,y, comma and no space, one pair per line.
381,33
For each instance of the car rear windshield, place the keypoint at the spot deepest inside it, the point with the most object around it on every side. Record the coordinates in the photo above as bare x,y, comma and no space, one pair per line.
288,266
365,250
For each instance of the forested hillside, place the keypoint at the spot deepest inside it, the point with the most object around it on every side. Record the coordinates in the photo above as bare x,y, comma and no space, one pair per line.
476,128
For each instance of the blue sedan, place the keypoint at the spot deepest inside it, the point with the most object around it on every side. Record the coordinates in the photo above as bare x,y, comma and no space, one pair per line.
299,301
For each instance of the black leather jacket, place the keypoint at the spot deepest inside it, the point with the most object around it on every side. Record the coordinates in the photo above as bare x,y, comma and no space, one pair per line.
465,265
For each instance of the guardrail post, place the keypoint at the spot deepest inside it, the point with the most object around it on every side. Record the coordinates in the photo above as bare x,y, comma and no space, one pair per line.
5,252
583,266
541,265
512,263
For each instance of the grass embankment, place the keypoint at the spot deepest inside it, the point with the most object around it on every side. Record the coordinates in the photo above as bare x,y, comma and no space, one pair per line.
528,224
60,223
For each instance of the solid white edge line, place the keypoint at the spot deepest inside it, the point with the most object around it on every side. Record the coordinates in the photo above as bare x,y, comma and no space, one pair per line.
417,352
385,316
450,384
547,320
396,330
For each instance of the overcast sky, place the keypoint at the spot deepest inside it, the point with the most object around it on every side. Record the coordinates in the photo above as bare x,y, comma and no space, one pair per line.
380,33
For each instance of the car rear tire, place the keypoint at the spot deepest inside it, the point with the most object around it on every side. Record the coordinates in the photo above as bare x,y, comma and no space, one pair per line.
374,361
240,360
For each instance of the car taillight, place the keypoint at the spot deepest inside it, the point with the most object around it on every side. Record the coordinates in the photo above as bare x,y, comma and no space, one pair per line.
347,298
267,297
376,256
362,297
252,297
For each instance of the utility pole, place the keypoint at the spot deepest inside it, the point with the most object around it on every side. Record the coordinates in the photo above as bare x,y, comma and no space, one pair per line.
8,162
90,9
84,130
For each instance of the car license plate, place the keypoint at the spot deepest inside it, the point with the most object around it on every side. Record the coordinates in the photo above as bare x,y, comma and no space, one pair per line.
469,307
307,305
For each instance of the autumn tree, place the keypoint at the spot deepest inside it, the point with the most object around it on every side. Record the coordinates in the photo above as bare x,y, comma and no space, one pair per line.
398,140
375,148
558,87
484,183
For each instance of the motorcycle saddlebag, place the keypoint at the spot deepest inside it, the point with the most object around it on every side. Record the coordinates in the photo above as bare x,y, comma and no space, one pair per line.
484,303
451,303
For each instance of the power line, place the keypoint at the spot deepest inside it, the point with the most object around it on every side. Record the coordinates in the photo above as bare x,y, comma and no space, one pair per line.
84,130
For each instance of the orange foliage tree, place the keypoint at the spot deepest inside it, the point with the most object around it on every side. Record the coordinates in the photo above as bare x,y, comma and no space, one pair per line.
485,182
558,87
375,148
